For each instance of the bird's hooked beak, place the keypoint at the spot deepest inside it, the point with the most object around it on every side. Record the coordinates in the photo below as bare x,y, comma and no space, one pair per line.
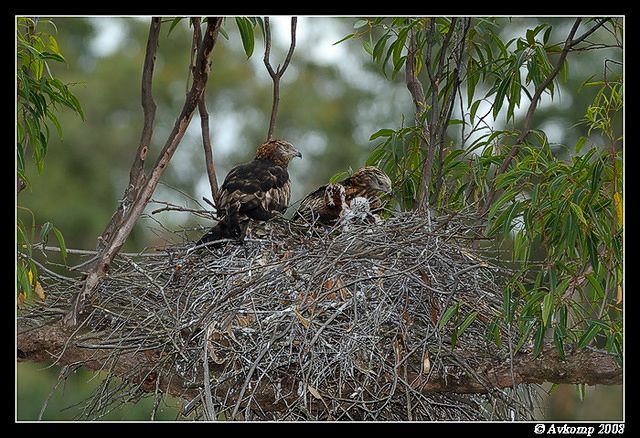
385,189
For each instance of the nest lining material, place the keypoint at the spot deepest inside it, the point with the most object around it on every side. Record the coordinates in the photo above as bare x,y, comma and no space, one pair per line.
315,323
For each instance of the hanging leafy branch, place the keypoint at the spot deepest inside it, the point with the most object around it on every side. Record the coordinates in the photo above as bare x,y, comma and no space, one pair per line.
39,96
39,93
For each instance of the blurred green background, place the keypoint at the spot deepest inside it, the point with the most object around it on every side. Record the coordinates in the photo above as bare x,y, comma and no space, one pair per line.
332,99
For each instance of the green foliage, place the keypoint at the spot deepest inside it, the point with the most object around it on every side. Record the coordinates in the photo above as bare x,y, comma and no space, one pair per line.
558,208
460,321
565,220
497,72
39,96
245,27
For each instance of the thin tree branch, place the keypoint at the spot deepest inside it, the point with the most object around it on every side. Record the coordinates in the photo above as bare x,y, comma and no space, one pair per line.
447,110
208,150
201,75
411,77
418,96
204,127
277,74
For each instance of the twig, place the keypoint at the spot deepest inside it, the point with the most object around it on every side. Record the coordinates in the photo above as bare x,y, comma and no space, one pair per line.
274,337
208,150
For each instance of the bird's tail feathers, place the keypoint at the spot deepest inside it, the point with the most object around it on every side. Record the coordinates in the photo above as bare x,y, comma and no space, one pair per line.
222,231
219,231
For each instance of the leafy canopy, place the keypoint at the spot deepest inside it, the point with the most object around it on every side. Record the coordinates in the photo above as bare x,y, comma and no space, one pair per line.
557,208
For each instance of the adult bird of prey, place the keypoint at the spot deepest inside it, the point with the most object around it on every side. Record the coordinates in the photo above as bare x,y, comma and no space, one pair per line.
368,182
257,190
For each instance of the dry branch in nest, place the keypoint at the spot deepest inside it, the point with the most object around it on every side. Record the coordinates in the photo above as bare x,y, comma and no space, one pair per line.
306,323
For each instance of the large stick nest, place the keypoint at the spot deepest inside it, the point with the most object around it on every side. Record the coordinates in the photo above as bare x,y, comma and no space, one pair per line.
299,323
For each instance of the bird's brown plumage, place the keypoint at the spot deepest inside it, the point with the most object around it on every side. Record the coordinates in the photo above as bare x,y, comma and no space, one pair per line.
258,190
368,182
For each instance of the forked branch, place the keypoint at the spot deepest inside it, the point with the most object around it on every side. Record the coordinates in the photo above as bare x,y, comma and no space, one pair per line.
277,74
